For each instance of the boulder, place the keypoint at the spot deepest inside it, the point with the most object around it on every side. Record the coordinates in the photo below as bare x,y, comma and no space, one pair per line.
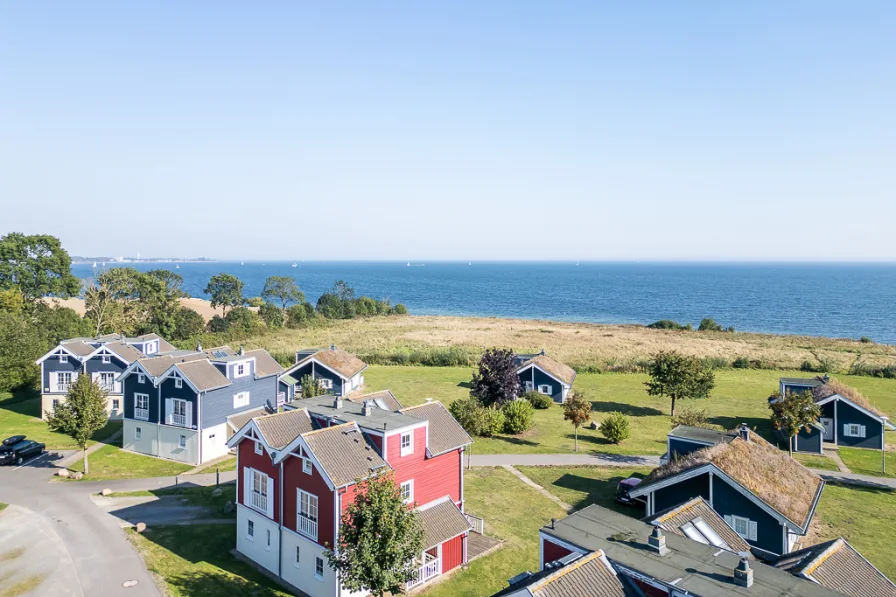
592,425
106,492
217,492
63,472
77,476
229,507
140,527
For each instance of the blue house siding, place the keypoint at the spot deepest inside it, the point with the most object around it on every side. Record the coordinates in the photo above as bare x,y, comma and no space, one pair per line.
183,393
96,365
680,447
808,441
727,501
678,493
132,386
538,377
847,414
320,372
52,365
217,405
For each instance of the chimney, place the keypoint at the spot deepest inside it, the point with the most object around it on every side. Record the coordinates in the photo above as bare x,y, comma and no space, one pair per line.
744,432
337,402
553,521
542,352
367,409
657,542
332,347
198,347
242,350
743,574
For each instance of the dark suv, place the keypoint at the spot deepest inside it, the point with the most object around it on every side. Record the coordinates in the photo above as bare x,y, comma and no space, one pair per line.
17,449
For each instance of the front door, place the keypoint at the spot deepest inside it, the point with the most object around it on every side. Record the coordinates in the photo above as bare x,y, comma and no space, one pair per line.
828,429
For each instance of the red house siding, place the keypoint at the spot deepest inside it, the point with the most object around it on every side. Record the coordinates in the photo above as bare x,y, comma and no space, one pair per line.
650,591
376,440
452,553
261,462
433,477
553,552
315,484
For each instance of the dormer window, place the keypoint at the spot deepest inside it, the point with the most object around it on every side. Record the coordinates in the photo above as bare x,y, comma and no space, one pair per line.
178,382
239,370
106,359
407,443
307,467
141,378
63,358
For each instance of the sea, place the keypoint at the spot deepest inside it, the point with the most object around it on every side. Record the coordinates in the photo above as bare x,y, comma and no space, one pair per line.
841,300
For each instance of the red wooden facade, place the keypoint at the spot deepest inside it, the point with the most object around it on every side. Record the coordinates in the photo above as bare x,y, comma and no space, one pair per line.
452,553
247,458
553,552
433,478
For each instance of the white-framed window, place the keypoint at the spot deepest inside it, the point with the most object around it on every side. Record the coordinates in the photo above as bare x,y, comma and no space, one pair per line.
55,403
116,404
545,389
250,531
407,443
853,430
63,358
141,378
307,467
178,382
268,539
141,407
240,399
182,442
744,527
179,413
325,383
259,449
151,347
107,381
63,381
528,386
407,491
306,521
318,568
239,370
137,432
106,359
298,557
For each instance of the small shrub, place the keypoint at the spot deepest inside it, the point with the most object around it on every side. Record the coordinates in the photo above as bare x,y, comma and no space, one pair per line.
476,419
807,366
494,422
666,324
518,416
715,362
539,401
271,314
218,324
255,301
742,363
731,329
615,427
296,316
399,309
866,340
692,417
709,325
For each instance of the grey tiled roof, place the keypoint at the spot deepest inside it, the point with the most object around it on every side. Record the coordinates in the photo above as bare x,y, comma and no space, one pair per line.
674,518
445,433
702,434
837,565
82,349
343,453
203,375
442,520
125,351
386,396
265,364
378,419
342,362
809,382
589,576
239,420
280,429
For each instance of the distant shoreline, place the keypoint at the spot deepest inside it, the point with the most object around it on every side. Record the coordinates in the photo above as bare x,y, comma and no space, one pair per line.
201,306
88,261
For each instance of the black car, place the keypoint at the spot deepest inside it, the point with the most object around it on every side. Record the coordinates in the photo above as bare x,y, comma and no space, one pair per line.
13,440
19,452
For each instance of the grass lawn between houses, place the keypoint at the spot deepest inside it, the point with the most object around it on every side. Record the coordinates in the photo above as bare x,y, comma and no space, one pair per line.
229,464
111,462
868,462
197,496
816,461
20,415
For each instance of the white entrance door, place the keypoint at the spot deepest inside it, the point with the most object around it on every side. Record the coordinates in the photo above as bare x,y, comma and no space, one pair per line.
828,429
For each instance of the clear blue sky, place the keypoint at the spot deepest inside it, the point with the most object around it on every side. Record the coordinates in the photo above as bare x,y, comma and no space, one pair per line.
452,130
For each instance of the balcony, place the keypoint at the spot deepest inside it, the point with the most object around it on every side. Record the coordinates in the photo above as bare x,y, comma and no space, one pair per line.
111,388
141,414
179,420
259,502
428,571
60,388
307,526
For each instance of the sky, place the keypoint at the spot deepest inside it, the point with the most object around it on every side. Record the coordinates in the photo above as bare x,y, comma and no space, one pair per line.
452,130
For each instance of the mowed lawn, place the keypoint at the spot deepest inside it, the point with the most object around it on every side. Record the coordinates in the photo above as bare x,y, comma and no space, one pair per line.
868,462
739,397
20,415
111,462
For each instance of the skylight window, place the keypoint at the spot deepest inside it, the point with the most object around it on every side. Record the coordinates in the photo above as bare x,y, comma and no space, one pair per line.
700,531
220,354
693,533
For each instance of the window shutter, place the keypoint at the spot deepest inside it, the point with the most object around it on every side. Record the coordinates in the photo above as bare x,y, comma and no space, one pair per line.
861,431
247,486
270,497
54,381
169,409
752,531
74,376
846,430
190,415
729,521
95,377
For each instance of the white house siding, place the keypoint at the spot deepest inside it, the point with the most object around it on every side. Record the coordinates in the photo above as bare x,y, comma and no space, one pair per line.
161,440
214,442
302,576
46,405
148,441
257,548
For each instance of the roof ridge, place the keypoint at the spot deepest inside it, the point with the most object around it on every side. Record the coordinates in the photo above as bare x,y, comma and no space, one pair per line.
292,410
422,404
350,423
679,509
833,548
567,569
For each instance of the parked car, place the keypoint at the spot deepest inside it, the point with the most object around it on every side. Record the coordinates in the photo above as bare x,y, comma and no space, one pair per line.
625,486
19,452
13,440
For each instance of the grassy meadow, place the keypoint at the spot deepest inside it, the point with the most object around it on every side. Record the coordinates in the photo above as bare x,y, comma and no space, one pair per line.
20,415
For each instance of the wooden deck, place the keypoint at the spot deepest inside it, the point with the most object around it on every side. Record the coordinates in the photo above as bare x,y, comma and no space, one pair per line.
478,545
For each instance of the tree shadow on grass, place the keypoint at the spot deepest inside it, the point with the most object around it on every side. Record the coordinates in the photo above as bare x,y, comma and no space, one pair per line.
465,384
597,491
627,409
23,402
203,583
589,439
516,441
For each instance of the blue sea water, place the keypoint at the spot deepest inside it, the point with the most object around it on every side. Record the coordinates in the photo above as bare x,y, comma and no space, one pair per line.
836,300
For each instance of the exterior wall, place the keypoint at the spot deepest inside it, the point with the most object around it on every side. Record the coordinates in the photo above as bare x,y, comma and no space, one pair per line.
539,377
247,458
315,484
161,440
847,414
553,552
259,548
433,477
676,494
185,392
51,365
302,575
46,405
217,405
96,365
320,372
214,441
376,441
453,553
131,386
681,447
808,441
149,437
728,501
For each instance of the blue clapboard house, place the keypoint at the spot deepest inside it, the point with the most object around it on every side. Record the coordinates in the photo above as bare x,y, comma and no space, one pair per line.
338,372
540,373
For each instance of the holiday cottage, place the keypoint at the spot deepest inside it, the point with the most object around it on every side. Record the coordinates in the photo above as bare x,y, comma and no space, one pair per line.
338,372
540,373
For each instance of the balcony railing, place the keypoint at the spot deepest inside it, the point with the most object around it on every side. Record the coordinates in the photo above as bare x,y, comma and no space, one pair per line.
426,572
477,523
111,388
179,420
141,413
307,526
259,501
60,388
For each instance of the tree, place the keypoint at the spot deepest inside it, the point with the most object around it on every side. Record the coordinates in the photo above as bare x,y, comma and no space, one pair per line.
615,427
793,412
226,290
113,301
309,387
57,323
21,343
709,325
379,539
82,414
271,315
496,382
296,316
37,265
577,410
11,300
679,376
284,289
187,323
243,318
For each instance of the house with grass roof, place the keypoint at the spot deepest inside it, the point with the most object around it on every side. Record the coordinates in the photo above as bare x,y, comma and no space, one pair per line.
540,373
338,372
767,497
847,417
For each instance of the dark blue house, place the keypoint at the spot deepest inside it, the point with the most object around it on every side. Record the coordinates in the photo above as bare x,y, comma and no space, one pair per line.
540,373
103,358
176,406
339,372
684,439
766,496
847,417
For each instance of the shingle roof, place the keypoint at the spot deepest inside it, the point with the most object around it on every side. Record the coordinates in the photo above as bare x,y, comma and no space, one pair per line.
386,396
552,367
378,419
239,420
343,453
589,576
279,429
445,433
673,519
289,380
203,375
125,351
702,434
343,363
82,349
442,520
759,468
837,565
834,387
265,364
809,382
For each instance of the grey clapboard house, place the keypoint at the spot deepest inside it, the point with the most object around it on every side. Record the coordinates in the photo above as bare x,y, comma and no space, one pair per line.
176,406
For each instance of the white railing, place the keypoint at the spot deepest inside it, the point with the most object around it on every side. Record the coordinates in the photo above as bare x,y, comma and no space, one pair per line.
111,388
180,420
477,523
141,413
259,501
60,388
426,572
307,527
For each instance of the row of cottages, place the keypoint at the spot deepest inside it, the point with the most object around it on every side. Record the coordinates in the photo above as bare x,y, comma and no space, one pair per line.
767,497
176,405
686,551
298,472
540,373
103,358
847,417
338,372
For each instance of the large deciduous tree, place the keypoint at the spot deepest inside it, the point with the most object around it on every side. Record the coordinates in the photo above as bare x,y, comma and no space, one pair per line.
284,289
82,414
379,539
226,291
496,382
37,265
679,376
793,412
577,410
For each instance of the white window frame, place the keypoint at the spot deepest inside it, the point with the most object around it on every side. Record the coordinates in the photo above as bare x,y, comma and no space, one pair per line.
318,565
250,531
325,383
853,430
409,449
307,466
409,484
64,384
298,559
750,526
241,399
116,404
545,389
138,432
313,504
55,403
141,378
182,442
137,398
63,358
528,386
259,449
178,382
239,370
109,387
105,359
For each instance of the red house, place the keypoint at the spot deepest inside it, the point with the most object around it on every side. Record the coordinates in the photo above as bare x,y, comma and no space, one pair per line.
297,473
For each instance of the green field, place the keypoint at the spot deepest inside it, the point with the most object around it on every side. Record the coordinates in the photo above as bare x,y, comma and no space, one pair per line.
111,462
739,397
20,415
816,461
868,462
581,486
196,496
228,464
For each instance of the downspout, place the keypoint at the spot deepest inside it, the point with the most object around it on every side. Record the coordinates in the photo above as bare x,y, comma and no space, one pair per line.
159,425
199,423
280,524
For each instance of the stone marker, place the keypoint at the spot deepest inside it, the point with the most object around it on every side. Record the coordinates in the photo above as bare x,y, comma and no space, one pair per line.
129,583
217,492
140,527
592,425
229,507
63,472
77,476
106,492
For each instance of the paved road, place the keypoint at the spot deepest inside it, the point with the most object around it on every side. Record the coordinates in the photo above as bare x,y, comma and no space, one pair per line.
562,460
